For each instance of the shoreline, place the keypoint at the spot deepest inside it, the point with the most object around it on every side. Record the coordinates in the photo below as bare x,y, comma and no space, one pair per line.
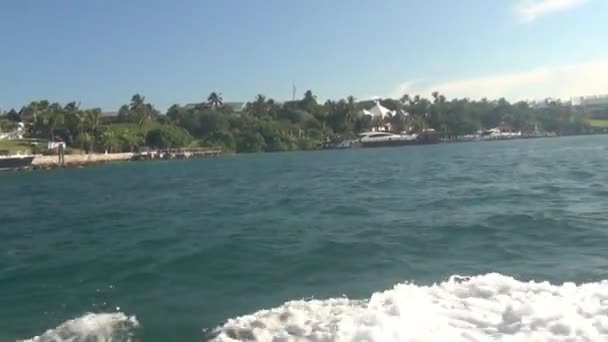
49,162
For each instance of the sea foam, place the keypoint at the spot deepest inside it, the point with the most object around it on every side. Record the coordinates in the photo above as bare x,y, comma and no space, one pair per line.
491,307
102,327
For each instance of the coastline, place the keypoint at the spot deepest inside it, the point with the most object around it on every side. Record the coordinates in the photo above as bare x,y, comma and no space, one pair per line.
46,162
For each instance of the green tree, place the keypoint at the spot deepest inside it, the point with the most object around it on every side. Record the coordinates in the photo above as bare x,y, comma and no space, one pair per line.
309,102
90,124
224,139
168,136
131,139
215,101
258,108
13,115
141,111
56,119
72,122
124,113
362,123
85,141
110,140
6,124
249,142
176,113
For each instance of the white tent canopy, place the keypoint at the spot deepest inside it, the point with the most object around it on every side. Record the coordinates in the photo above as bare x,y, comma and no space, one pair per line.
380,110
366,112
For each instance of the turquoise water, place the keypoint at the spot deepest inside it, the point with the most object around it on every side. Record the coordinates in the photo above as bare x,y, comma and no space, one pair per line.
186,245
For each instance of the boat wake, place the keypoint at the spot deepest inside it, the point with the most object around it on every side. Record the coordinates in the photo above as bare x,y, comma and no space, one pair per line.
103,327
492,307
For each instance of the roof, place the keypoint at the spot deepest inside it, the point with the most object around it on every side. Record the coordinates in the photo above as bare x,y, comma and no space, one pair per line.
365,112
109,114
191,105
236,106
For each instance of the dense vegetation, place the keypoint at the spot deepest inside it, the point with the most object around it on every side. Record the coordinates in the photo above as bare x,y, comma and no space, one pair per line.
267,125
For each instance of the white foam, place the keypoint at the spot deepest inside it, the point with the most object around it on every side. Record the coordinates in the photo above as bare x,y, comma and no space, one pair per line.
492,307
103,327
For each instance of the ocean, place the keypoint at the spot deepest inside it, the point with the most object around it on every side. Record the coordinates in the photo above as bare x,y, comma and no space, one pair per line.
489,241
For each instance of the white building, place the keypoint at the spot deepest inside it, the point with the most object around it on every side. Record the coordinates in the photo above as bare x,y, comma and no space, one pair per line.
15,134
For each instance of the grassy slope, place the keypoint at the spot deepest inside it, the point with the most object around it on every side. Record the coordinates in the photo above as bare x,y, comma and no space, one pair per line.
23,146
598,123
133,126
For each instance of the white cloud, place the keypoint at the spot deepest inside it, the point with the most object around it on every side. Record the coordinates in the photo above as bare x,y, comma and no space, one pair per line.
562,81
532,9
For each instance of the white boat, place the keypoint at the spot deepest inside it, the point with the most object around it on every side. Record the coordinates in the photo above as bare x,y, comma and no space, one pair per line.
385,138
381,139
497,134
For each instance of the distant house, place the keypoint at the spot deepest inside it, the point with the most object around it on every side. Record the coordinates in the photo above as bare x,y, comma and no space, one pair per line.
109,114
236,107
191,106
539,104
16,133
593,106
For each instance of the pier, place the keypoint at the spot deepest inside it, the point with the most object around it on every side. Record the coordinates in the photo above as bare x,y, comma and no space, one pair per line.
178,153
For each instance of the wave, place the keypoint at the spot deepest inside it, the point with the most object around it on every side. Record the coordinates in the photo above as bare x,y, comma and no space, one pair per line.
491,307
102,327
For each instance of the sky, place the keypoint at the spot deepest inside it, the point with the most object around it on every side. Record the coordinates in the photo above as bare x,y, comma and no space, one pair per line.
101,52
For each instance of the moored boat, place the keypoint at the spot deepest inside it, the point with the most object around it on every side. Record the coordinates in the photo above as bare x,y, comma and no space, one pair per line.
15,161
385,139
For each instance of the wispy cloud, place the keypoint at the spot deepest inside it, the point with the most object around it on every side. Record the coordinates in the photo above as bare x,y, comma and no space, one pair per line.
532,9
562,81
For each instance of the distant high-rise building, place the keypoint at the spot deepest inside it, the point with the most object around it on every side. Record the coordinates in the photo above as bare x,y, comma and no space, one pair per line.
601,100
593,106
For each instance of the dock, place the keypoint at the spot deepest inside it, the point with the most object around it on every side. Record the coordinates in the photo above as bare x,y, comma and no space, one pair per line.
178,153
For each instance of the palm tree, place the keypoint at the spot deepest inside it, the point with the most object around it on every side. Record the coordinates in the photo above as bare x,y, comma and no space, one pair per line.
147,114
259,107
72,118
110,141
136,102
215,100
54,120
131,139
142,111
90,120
309,97
351,109
90,123
309,102
84,140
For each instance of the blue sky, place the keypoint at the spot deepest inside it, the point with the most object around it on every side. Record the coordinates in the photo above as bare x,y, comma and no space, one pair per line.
100,52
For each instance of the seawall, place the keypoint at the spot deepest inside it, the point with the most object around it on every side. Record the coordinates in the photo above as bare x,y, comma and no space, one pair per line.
80,159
